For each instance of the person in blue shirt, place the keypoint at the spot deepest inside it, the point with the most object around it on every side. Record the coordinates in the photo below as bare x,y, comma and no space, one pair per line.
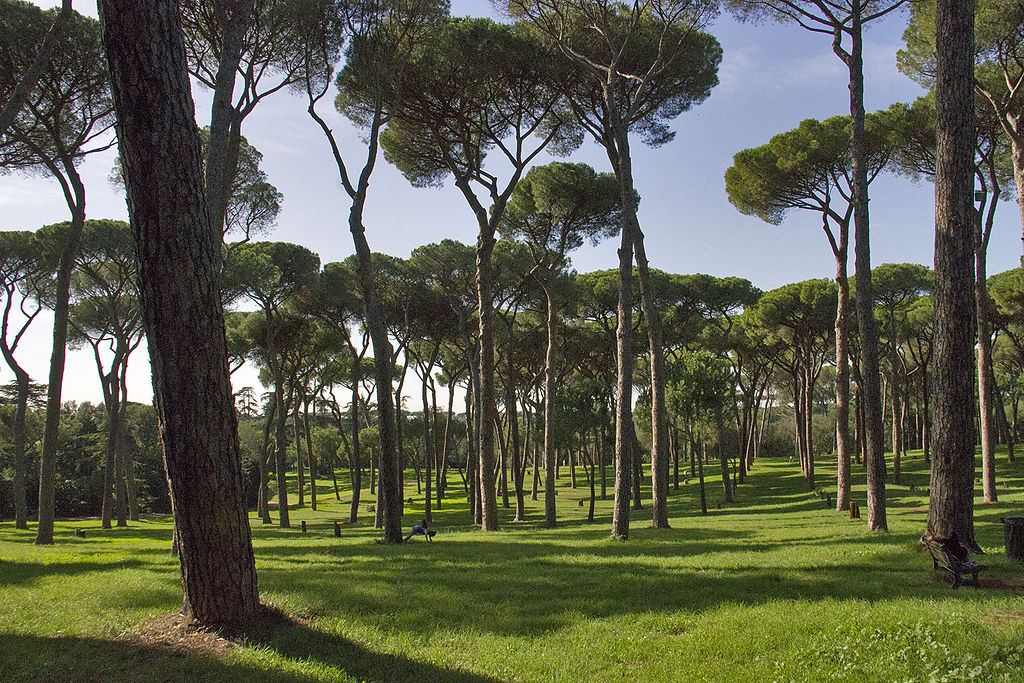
421,528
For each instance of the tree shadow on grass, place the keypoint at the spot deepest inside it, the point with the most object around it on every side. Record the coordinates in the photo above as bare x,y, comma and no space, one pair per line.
77,658
67,658
298,641
13,572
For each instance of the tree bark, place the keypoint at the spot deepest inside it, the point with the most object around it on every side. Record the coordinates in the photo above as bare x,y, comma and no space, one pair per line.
985,392
178,258
951,509
874,432
550,359
659,419
624,346
62,295
843,482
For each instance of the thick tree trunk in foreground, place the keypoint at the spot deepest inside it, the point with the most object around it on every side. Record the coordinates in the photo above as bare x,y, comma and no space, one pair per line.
951,509
178,257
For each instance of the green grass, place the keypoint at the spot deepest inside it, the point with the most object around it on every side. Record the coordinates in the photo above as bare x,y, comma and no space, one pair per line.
773,587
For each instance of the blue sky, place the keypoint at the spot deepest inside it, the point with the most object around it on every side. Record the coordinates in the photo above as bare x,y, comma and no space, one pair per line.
772,77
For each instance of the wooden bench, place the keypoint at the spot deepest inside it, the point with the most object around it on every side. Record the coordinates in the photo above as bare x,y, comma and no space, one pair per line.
942,556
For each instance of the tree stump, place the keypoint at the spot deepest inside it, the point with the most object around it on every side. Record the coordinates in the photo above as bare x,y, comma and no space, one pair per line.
854,510
337,529
303,526
1013,529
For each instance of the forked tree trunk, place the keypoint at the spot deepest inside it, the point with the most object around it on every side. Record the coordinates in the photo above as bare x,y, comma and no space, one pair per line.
178,258
951,508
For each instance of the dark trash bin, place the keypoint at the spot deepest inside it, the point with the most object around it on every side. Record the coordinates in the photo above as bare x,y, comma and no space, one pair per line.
1013,528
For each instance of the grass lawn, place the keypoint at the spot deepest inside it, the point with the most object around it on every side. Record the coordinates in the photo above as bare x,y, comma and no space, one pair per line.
774,587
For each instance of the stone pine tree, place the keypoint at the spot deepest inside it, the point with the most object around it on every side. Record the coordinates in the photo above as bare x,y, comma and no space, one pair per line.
635,67
271,275
809,168
951,497
16,91
178,258
378,32
475,91
843,21
67,116
105,314
554,210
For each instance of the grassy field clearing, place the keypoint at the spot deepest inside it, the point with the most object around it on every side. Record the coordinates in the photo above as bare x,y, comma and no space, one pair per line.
774,587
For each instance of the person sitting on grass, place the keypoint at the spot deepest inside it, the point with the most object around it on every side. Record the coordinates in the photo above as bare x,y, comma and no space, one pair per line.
421,528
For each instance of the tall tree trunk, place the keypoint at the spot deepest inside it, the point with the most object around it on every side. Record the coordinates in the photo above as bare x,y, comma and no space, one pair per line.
843,482
550,360
281,451
262,505
874,432
428,446
897,429
297,435
985,391
312,456
723,461
622,164
20,465
951,508
659,421
62,295
485,425
178,258
357,472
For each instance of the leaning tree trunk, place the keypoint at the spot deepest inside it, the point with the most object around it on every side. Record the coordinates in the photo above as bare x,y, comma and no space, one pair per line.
62,295
874,431
178,258
389,488
951,509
